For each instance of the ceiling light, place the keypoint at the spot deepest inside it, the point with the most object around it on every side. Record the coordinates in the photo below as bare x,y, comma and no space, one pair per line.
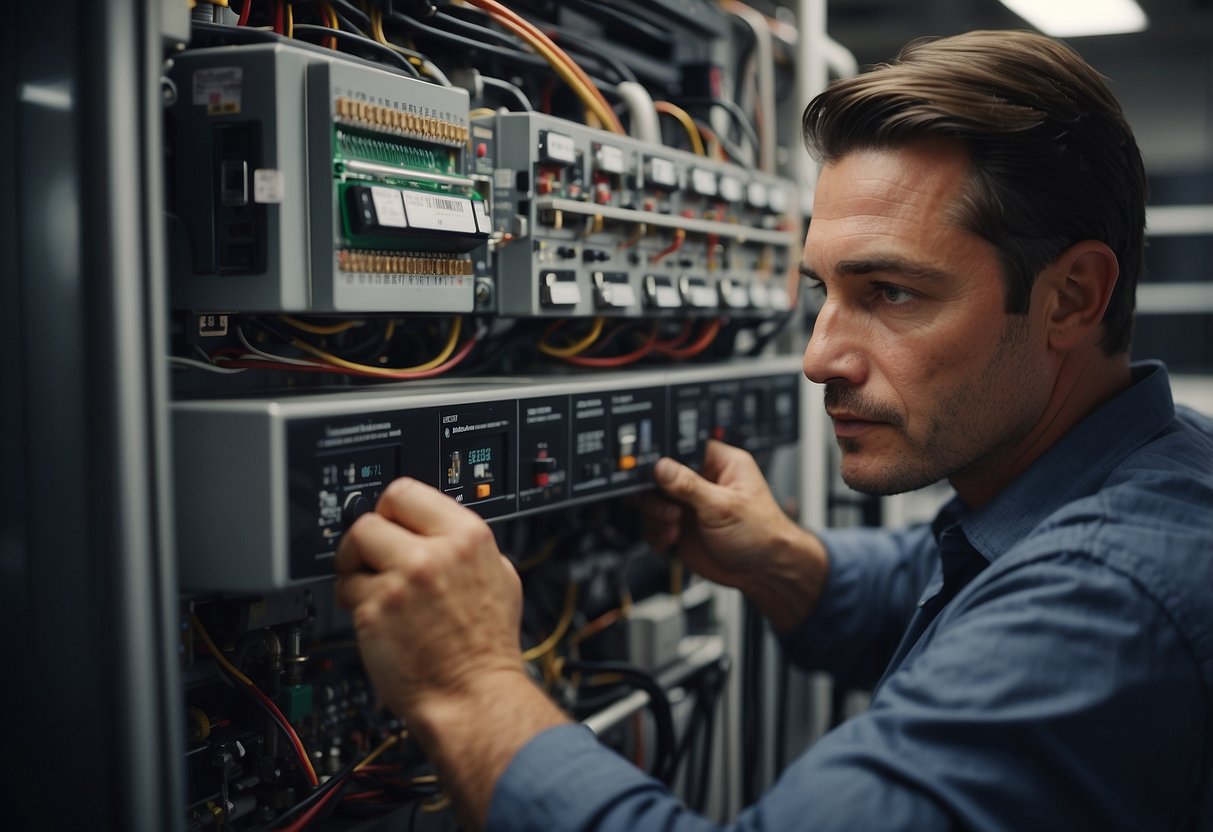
1073,18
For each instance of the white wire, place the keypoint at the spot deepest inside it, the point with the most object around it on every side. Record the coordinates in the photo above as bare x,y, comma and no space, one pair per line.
202,365
269,356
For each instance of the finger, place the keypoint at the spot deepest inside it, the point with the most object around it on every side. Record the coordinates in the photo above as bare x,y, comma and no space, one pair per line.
681,483
353,589
373,542
719,456
421,508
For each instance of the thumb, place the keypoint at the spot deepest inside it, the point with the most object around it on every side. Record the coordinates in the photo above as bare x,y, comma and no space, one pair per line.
681,483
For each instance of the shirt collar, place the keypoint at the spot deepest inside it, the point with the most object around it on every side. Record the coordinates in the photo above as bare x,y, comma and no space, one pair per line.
1075,466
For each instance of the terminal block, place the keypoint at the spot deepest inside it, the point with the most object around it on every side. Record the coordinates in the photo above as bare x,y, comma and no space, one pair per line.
593,223
306,181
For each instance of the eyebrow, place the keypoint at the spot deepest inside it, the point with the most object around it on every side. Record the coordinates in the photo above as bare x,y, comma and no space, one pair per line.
877,265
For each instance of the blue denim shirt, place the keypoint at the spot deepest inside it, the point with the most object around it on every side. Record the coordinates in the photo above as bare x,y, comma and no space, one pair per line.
1044,662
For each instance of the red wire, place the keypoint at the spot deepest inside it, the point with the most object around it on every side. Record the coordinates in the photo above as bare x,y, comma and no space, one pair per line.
668,250
307,817
295,741
279,18
619,360
244,13
702,343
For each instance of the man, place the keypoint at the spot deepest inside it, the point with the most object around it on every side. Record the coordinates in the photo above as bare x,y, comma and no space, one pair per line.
1042,654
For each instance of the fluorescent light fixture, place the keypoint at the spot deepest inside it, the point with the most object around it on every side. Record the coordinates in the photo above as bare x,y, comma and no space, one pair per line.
1073,18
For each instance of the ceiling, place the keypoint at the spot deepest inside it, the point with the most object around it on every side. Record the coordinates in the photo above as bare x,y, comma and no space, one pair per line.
1163,76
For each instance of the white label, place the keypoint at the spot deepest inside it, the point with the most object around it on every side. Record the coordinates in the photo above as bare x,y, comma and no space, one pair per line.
388,207
730,188
267,185
757,194
439,212
610,159
559,148
779,200
218,88
503,178
703,182
663,172
483,224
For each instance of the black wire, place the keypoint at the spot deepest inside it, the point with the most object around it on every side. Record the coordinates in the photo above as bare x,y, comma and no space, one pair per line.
595,51
358,40
761,341
512,89
659,706
468,43
476,29
750,711
338,780
353,12
732,108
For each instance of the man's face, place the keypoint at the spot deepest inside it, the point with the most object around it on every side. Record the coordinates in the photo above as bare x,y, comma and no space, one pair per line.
927,377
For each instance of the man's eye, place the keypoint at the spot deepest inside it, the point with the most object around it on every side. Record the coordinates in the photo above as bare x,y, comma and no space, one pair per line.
895,295
815,285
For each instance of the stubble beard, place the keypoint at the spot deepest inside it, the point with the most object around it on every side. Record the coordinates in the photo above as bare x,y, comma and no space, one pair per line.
952,442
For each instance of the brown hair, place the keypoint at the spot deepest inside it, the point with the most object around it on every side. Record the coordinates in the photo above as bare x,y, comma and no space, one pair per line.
1053,160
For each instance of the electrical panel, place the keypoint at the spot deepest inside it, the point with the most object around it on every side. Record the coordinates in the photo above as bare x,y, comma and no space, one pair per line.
267,486
305,181
594,223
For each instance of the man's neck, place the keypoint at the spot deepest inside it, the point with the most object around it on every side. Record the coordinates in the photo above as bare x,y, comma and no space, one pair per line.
1084,382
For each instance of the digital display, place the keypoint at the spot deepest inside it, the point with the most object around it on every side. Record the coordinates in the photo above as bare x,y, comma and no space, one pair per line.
369,471
477,456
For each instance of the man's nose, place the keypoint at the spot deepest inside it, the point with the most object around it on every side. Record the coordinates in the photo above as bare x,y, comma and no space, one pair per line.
832,353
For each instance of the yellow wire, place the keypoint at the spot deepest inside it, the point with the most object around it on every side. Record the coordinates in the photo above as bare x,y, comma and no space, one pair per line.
215,652
384,371
688,124
381,36
565,67
544,554
575,348
481,111
562,626
290,21
317,329
379,749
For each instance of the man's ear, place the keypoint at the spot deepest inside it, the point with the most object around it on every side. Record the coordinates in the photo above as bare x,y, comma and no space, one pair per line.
1079,286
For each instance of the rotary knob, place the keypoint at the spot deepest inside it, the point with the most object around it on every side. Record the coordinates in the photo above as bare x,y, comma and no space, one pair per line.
356,505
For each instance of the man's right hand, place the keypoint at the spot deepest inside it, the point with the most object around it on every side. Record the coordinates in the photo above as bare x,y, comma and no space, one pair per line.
727,527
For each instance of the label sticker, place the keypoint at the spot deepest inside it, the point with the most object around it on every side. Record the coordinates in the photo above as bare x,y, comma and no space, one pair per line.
483,224
439,213
757,194
559,148
503,178
703,182
388,207
609,158
730,188
267,186
218,88
663,172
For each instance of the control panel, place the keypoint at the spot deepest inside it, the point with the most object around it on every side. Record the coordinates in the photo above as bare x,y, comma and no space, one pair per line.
267,486
593,223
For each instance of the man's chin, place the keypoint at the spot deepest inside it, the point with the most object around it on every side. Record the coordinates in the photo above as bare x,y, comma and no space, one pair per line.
887,481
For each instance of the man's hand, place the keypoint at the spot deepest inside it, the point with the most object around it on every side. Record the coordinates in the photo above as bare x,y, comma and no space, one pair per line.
727,527
436,608
435,604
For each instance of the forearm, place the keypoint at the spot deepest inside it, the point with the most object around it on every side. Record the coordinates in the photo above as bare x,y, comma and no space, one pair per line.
472,736
788,583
